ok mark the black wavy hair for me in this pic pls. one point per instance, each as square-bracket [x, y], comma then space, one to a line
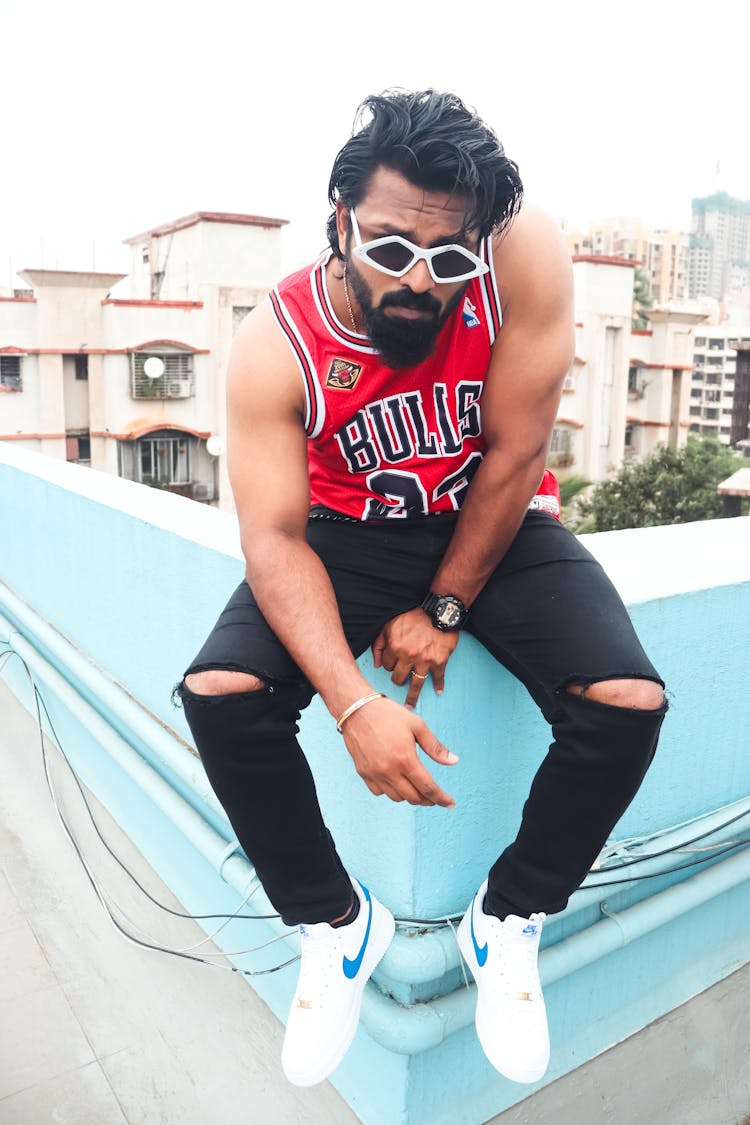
[435, 142]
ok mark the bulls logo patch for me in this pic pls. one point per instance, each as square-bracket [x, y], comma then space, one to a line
[343, 374]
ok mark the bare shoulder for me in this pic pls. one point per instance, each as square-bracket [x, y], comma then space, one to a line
[261, 362]
[532, 262]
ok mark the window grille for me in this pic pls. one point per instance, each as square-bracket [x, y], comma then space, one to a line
[177, 380]
[10, 372]
[163, 459]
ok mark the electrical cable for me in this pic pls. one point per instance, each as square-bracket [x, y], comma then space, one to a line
[98, 890]
[592, 881]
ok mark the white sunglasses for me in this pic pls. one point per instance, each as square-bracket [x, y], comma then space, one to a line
[395, 256]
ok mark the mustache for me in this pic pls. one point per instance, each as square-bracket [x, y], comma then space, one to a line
[422, 302]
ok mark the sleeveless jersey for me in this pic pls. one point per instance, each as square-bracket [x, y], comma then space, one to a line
[387, 443]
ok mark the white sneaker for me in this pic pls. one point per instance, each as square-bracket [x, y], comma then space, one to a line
[334, 969]
[511, 1018]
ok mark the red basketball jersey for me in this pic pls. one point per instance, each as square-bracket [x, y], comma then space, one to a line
[386, 443]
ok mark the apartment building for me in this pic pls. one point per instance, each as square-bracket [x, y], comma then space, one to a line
[712, 391]
[627, 391]
[719, 254]
[135, 386]
[661, 254]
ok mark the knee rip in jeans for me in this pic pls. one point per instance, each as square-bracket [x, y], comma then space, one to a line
[629, 693]
[222, 681]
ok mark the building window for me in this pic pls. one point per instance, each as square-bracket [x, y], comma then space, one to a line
[239, 312]
[175, 379]
[569, 382]
[82, 367]
[10, 372]
[163, 459]
[561, 448]
[78, 448]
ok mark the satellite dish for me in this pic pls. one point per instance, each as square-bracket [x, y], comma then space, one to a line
[215, 445]
[153, 368]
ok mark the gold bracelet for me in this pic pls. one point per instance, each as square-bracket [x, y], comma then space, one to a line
[356, 706]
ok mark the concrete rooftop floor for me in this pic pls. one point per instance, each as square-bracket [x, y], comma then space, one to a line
[95, 1031]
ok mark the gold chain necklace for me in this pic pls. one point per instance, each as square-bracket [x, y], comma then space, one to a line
[348, 303]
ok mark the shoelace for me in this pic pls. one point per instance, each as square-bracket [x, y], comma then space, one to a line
[460, 954]
[317, 957]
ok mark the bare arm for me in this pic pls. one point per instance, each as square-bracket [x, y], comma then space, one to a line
[267, 460]
[530, 358]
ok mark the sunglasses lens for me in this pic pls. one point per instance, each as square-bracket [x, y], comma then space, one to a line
[390, 256]
[452, 264]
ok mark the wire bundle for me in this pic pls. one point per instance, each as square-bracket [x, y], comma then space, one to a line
[592, 882]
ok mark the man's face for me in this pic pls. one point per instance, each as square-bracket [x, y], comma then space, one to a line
[403, 315]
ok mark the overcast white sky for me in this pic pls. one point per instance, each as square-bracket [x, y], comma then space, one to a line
[117, 118]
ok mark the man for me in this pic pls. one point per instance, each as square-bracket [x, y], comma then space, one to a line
[390, 411]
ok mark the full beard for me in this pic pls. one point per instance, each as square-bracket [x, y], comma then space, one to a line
[398, 341]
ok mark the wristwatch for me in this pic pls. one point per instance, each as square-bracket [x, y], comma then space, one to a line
[446, 611]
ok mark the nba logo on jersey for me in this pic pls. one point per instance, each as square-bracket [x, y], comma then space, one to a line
[469, 312]
[343, 374]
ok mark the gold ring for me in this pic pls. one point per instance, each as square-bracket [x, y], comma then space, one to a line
[417, 676]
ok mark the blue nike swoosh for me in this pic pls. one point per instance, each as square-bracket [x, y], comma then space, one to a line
[351, 968]
[481, 954]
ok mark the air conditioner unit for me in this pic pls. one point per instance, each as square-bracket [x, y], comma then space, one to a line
[179, 388]
[203, 491]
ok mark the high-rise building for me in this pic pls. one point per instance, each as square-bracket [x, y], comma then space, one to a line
[719, 254]
[712, 390]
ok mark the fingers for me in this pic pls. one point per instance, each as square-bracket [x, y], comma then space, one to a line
[417, 789]
[378, 647]
[429, 790]
[433, 748]
[417, 680]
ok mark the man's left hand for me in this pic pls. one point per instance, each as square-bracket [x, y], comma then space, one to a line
[411, 648]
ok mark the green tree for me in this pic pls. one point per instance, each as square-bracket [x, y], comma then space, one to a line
[642, 299]
[571, 487]
[669, 486]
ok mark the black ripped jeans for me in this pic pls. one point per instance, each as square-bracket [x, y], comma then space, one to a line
[549, 614]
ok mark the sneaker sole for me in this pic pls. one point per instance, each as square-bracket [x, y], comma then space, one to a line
[381, 935]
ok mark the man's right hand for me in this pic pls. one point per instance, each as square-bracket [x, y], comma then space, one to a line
[382, 739]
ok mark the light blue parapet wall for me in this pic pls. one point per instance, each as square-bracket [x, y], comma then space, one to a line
[108, 588]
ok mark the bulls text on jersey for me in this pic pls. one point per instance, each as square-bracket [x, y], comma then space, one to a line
[396, 429]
